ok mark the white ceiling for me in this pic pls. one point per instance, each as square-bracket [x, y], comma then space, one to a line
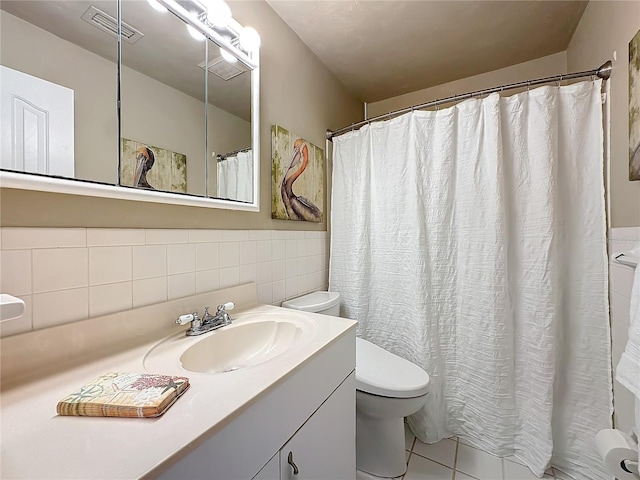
[380, 49]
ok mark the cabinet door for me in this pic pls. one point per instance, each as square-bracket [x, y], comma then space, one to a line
[271, 471]
[324, 447]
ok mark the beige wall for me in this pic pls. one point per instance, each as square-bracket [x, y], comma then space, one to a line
[605, 28]
[540, 67]
[297, 91]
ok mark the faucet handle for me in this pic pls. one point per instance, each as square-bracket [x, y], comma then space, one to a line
[226, 306]
[190, 317]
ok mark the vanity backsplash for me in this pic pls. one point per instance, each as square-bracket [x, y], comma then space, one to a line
[71, 274]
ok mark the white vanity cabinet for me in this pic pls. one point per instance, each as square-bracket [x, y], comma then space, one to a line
[311, 414]
[323, 447]
[271, 471]
[320, 450]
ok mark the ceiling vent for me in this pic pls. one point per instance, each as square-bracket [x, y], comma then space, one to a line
[108, 24]
[223, 69]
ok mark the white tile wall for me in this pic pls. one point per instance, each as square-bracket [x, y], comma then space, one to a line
[149, 261]
[110, 264]
[70, 274]
[620, 282]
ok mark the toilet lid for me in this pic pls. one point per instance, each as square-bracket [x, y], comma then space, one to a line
[380, 372]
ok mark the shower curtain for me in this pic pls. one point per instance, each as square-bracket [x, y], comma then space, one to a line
[471, 241]
[235, 177]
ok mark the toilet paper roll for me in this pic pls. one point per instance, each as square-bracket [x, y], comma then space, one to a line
[615, 446]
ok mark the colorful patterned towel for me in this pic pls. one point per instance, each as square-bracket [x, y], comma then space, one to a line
[124, 395]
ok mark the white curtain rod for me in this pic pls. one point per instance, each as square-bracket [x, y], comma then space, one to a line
[604, 72]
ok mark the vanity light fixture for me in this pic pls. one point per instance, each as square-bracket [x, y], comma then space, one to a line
[218, 13]
[195, 34]
[227, 56]
[212, 19]
[249, 39]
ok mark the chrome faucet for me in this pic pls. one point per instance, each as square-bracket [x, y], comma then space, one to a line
[208, 322]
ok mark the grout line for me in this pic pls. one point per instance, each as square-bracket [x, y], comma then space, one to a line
[455, 457]
[33, 280]
[413, 442]
[431, 459]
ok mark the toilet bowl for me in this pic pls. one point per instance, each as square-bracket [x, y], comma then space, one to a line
[388, 388]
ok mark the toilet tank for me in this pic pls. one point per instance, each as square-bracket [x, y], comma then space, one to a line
[327, 303]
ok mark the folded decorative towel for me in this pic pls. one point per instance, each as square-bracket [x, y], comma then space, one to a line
[124, 395]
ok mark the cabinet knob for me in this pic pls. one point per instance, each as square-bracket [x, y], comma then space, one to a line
[292, 463]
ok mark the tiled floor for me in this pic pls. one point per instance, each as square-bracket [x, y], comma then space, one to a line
[453, 460]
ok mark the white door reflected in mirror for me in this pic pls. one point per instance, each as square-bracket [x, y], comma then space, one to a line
[37, 125]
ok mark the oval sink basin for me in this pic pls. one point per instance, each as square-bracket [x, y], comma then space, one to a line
[234, 348]
[251, 340]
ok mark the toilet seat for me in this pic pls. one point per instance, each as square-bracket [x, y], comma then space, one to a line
[382, 373]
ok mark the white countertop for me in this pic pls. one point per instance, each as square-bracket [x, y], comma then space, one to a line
[37, 443]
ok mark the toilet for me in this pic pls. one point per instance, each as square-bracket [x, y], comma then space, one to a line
[388, 388]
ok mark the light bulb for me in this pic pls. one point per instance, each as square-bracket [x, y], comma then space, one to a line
[195, 34]
[218, 13]
[249, 39]
[228, 56]
[157, 7]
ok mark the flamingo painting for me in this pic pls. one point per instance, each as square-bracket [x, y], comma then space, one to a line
[296, 196]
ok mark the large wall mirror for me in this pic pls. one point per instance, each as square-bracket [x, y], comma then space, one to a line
[185, 129]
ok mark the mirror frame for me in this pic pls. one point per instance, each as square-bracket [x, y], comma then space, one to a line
[43, 183]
